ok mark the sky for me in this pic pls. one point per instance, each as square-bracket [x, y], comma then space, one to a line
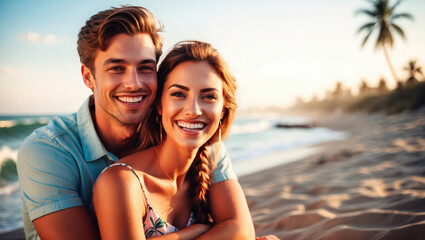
[277, 49]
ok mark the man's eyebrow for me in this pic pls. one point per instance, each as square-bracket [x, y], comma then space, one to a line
[119, 60]
[148, 61]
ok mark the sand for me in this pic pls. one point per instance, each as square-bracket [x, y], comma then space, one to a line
[369, 186]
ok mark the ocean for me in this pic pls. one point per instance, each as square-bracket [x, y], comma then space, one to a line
[254, 144]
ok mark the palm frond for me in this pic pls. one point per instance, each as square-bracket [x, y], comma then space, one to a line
[398, 30]
[368, 12]
[395, 6]
[402, 15]
[367, 26]
[367, 37]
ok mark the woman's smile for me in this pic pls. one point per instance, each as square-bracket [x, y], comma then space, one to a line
[191, 104]
[191, 126]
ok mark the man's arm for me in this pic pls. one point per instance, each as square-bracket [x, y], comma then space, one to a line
[70, 223]
[49, 183]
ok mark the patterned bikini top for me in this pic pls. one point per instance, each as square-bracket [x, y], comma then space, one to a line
[154, 225]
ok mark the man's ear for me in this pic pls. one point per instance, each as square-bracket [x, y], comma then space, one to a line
[87, 76]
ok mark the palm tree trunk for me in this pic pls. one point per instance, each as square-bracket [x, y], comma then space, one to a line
[389, 63]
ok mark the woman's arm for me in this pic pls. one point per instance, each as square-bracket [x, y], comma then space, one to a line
[232, 219]
[119, 204]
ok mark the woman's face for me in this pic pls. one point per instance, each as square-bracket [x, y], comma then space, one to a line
[191, 104]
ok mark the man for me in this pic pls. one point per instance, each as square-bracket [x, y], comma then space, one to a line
[58, 164]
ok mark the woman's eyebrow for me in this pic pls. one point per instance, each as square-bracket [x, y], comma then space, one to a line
[179, 86]
[187, 89]
[209, 89]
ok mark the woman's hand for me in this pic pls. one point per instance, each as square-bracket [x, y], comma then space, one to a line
[199, 229]
[191, 232]
[267, 237]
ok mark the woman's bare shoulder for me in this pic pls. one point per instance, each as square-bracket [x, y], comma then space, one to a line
[140, 160]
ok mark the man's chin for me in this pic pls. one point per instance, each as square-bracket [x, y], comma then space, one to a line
[129, 121]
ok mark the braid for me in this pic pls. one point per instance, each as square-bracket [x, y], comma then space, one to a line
[201, 176]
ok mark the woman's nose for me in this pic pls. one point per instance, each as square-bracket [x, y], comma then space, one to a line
[193, 108]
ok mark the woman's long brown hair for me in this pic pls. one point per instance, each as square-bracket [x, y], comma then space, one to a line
[150, 135]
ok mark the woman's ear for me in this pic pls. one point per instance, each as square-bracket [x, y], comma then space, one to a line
[87, 76]
[222, 113]
[159, 109]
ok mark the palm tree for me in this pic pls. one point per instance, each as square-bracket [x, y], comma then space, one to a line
[413, 69]
[382, 20]
[338, 92]
[382, 86]
[364, 89]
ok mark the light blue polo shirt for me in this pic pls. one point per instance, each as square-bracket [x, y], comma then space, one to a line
[59, 163]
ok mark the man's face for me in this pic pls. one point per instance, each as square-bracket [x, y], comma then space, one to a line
[124, 84]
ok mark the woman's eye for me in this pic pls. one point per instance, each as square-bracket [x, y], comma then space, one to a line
[210, 97]
[177, 94]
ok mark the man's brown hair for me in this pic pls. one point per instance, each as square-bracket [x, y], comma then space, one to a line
[101, 27]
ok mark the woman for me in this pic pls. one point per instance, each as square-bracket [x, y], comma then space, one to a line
[165, 188]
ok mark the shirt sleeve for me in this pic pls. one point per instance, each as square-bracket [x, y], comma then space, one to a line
[48, 178]
[223, 170]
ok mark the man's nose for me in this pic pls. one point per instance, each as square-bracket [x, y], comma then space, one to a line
[132, 80]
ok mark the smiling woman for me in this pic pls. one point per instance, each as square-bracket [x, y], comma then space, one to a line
[191, 104]
[167, 187]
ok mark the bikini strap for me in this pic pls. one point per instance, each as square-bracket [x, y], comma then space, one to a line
[142, 184]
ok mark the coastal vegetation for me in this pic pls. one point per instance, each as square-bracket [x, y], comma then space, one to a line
[408, 95]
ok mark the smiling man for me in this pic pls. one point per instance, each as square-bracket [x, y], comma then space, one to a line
[58, 164]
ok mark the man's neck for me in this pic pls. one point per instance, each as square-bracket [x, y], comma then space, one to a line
[116, 137]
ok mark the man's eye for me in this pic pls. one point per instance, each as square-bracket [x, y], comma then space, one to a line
[146, 69]
[116, 68]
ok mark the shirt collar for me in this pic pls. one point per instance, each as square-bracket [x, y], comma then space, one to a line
[92, 146]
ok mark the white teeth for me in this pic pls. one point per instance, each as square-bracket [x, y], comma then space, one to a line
[191, 125]
[130, 99]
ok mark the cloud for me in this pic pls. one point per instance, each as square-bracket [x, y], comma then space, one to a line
[9, 71]
[37, 38]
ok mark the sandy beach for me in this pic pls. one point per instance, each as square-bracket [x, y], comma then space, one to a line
[369, 186]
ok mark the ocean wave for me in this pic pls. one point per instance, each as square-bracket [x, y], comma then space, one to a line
[250, 127]
[245, 147]
[260, 123]
[7, 153]
[8, 171]
[14, 132]
[9, 189]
